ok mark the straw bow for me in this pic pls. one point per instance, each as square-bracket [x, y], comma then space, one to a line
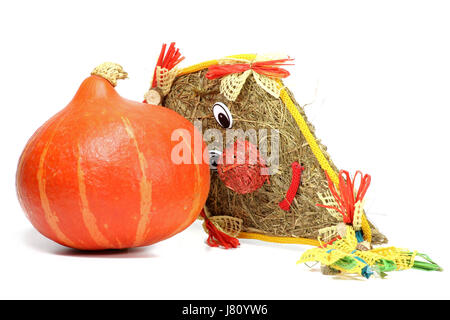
[234, 73]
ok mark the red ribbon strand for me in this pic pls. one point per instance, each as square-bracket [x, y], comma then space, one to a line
[216, 237]
[297, 170]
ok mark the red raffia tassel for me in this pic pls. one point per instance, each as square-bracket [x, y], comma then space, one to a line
[346, 198]
[167, 60]
[297, 170]
[216, 237]
[270, 68]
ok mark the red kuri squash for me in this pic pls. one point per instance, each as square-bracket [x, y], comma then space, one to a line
[98, 175]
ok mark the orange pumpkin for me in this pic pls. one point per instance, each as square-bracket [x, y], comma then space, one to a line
[98, 175]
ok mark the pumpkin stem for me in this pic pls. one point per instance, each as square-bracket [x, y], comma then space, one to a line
[110, 71]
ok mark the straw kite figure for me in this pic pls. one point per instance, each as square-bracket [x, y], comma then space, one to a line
[291, 194]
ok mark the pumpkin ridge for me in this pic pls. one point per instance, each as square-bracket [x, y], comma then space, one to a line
[145, 187]
[50, 217]
[88, 217]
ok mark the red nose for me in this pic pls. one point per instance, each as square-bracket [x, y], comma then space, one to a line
[242, 169]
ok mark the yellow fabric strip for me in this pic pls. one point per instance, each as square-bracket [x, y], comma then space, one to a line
[308, 136]
[197, 67]
[262, 237]
[292, 109]
[303, 126]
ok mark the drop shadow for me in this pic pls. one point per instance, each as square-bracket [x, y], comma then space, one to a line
[38, 242]
[315, 268]
[353, 277]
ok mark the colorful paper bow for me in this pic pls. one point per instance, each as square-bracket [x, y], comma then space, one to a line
[344, 255]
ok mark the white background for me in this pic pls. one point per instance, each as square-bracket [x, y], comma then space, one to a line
[378, 76]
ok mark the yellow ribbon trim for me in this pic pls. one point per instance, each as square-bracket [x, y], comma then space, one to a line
[198, 67]
[365, 227]
[347, 247]
[303, 126]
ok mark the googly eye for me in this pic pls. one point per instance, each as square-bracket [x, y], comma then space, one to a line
[222, 115]
[214, 156]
